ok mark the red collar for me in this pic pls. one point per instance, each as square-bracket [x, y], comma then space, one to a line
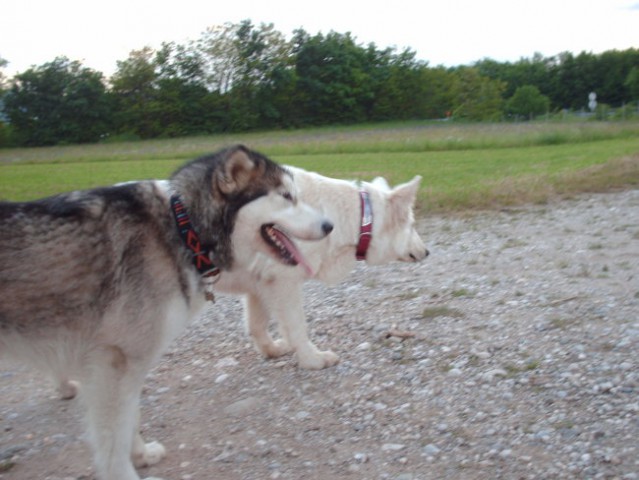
[366, 225]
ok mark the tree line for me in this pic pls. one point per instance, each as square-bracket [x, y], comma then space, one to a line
[240, 77]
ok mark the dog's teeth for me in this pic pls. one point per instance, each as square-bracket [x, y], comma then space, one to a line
[276, 242]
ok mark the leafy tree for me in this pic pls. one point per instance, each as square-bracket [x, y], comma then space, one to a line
[406, 88]
[441, 94]
[179, 109]
[276, 98]
[173, 60]
[527, 102]
[5, 134]
[476, 97]
[182, 104]
[234, 54]
[219, 57]
[58, 102]
[262, 54]
[632, 83]
[243, 63]
[574, 77]
[134, 88]
[535, 71]
[396, 81]
[3, 79]
[334, 79]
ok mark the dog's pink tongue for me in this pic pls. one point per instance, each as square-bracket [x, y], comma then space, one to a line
[302, 262]
[297, 255]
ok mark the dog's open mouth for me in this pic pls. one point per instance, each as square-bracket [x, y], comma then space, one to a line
[283, 247]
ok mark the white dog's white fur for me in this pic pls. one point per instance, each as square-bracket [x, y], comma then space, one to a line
[274, 291]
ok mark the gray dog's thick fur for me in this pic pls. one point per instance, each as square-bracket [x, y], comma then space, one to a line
[95, 284]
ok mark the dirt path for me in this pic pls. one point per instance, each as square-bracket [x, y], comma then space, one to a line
[516, 358]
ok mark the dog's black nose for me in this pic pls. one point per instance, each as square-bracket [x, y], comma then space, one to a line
[415, 259]
[327, 227]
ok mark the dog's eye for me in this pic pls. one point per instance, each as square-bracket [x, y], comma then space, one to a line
[288, 196]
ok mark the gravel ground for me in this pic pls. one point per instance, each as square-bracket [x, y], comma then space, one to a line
[511, 352]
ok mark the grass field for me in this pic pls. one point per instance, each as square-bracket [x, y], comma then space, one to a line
[464, 166]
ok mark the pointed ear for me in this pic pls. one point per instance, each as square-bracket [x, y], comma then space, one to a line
[381, 183]
[239, 170]
[407, 192]
[403, 197]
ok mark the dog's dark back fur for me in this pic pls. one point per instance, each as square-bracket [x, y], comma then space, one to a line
[66, 251]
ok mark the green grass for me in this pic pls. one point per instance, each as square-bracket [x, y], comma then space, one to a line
[29, 181]
[463, 166]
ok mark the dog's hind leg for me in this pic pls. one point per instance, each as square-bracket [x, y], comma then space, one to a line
[286, 305]
[111, 390]
[257, 318]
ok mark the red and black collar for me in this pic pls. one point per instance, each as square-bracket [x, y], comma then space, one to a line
[200, 255]
[366, 225]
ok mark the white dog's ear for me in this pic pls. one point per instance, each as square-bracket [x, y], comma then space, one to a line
[403, 197]
[407, 191]
[381, 183]
[239, 171]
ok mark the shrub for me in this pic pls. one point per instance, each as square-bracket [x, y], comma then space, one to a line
[528, 102]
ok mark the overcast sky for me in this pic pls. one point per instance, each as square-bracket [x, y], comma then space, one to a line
[446, 32]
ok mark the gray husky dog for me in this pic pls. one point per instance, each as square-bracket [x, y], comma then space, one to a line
[95, 284]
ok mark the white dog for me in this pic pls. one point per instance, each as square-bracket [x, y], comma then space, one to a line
[372, 222]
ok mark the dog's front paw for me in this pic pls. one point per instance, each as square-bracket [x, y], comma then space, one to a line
[276, 349]
[317, 360]
[152, 454]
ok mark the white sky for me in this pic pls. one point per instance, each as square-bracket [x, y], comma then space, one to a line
[447, 32]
